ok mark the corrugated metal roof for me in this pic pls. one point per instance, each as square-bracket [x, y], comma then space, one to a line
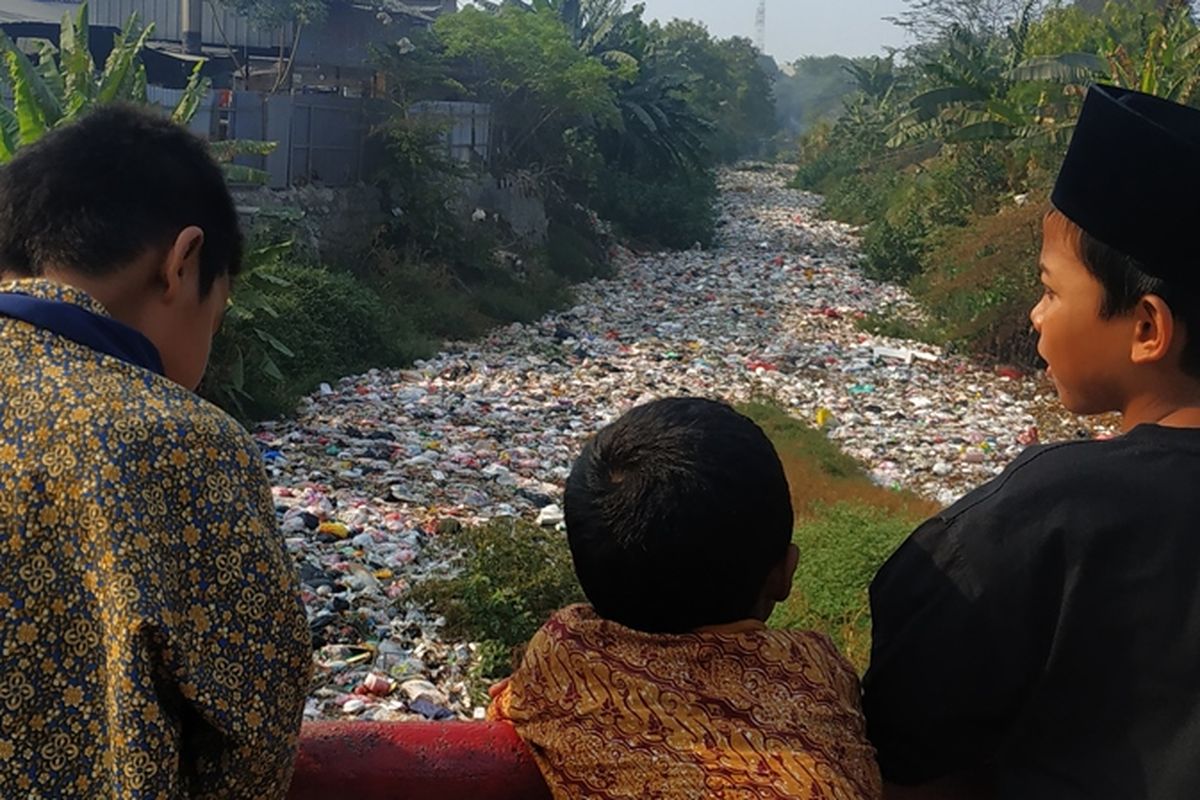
[34, 11]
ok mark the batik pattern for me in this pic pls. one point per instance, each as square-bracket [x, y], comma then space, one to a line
[611, 713]
[153, 641]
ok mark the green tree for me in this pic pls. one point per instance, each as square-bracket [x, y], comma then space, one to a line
[65, 83]
[724, 82]
[539, 83]
[931, 21]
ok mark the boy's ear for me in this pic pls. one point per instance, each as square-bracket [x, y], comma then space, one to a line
[181, 266]
[1156, 333]
[782, 576]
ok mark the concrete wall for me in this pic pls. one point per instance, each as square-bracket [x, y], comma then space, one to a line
[333, 225]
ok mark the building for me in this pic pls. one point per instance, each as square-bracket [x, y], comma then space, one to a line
[308, 89]
[240, 53]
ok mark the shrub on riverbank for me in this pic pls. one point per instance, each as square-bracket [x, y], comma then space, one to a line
[676, 212]
[509, 577]
[294, 325]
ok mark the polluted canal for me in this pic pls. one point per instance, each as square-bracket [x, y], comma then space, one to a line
[372, 467]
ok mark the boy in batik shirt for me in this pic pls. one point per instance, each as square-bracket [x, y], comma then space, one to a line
[154, 645]
[670, 685]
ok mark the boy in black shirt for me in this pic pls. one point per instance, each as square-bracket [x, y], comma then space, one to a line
[1041, 637]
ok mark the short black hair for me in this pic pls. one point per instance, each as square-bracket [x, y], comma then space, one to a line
[99, 192]
[1125, 282]
[675, 514]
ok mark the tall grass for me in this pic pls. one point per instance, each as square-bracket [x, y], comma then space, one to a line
[846, 527]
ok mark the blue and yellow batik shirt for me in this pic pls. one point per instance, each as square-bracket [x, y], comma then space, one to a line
[153, 641]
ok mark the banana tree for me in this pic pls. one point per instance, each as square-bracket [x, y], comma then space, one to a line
[1167, 65]
[64, 83]
[974, 101]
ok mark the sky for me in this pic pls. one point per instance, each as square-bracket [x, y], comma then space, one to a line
[795, 27]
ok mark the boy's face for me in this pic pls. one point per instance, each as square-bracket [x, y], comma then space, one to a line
[1088, 356]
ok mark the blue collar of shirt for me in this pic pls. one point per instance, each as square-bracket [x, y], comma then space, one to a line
[85, 327]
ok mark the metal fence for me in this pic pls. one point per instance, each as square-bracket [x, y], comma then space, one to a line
[220, 25]
[321, 138]
[469, 128]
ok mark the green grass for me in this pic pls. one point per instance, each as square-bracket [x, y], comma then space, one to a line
[508, 577]
[841, 548]
[846, 527]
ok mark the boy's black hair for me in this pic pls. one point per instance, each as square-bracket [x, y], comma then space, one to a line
[1125, 282]
[98, 193]
[675, 515]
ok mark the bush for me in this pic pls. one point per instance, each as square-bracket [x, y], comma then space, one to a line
[333, 324]
[510, 577]
[842, 546]
[443, 303]
[573, 255]
[983, 281]
[676, 211]
[895, 252]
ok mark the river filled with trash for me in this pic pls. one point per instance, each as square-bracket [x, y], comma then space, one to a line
[371, 468]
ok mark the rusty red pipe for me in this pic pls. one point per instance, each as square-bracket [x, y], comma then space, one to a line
[413, 761]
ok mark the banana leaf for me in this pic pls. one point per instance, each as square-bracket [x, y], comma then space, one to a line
[1190, 48]
[10, 131]
[236, 173]
[75, 63]
[267, 255]
[31, 121]
[47, 70]
[271, 368]
[193, 95]
[928, 104]
[41, 107]
[230, 149]
[119, 69]
[1063, 68]
[274, 342]
[237, 370]
[136, 89]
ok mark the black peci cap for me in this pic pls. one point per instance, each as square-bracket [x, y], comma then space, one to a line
[1131, 179]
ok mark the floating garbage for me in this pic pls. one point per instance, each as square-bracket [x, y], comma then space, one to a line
[374, 469]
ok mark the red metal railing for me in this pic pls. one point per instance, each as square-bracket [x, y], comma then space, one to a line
[417, 760]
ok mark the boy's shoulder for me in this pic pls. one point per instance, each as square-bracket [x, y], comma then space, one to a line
[1088, 473]
[110, 410]
[165, 414]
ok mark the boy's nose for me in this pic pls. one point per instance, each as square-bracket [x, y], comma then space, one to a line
[1035, 316]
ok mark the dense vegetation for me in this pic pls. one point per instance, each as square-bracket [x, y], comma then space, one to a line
[946, 155]
[598, 112]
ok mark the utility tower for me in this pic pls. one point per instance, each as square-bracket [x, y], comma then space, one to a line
[760, 26]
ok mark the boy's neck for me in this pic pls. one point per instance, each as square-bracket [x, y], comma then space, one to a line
[1179, 411]
[121, 292]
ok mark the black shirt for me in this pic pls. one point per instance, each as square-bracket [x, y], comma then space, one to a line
[1046, 628]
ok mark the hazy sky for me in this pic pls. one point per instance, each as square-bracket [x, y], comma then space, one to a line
[795, 27]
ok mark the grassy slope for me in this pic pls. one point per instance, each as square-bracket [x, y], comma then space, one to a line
[846, 527]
